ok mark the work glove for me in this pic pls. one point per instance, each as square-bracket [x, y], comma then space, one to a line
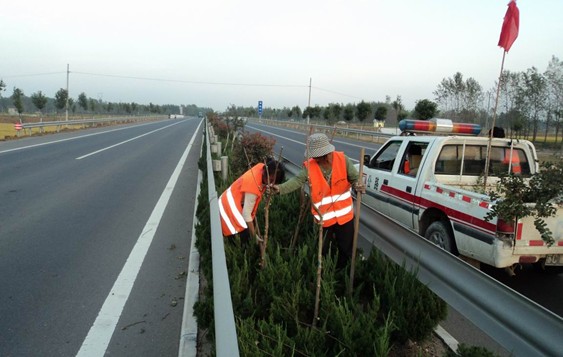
[359, 187]
[273, 189]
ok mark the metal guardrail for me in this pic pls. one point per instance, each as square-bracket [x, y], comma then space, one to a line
[517, 323]
[375, 135]
[59, 123]
[225, 331]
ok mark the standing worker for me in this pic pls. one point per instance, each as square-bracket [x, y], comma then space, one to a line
[331, 175]
[239, 203]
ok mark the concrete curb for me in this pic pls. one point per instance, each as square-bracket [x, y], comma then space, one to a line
[448, 339]
[188, 334]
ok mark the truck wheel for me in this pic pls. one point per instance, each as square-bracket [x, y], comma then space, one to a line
[439, 234]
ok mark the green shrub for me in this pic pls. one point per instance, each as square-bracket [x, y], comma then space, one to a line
[471, 351]
[417, 310]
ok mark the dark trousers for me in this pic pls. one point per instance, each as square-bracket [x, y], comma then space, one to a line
[343, 237]
[243, 236]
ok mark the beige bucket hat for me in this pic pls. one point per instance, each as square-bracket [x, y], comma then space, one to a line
[319, 145]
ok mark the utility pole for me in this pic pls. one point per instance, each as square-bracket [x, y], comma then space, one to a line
[309, 101]
[67, 93]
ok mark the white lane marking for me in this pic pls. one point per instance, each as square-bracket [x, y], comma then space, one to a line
[448, 339]
[126, 141]
[73, 138]
[99, 336]
[299, 142]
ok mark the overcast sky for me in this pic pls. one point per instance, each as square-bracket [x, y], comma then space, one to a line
[214, 53]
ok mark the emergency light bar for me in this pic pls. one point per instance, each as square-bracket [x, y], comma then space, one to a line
[439, 126]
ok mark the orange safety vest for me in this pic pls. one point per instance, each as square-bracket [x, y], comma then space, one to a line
[333, 201]
[516, 168]
[231, 201]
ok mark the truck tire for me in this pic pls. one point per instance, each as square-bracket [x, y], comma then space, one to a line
[439, 234]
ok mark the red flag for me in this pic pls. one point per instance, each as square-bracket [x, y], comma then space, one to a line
[510, 26]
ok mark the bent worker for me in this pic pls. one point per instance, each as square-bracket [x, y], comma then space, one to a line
[239, 203]
[332, 175]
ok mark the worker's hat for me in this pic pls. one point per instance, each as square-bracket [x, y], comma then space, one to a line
[319, 145]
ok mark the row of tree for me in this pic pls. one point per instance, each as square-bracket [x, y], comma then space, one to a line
[527, 102]
[39, 102]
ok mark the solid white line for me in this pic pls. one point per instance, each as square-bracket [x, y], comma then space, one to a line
[73, 138]
[99, 336]
[126, 141]
[188, 333]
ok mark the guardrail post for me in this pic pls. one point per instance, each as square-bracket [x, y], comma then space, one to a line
[224, 167]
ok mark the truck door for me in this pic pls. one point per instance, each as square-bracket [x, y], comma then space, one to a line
[402, 186]
[378, 174]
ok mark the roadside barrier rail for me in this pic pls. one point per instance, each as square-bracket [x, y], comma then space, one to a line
[60, 123]
[225, 330]
[374, 135]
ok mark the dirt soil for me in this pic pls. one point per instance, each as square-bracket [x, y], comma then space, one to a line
[432, 347]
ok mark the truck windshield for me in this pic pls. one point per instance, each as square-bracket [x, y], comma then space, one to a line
[471, 159]
[385, 159]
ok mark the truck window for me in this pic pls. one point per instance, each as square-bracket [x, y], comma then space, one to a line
[412, 158]
[385, 159]
[474, 158]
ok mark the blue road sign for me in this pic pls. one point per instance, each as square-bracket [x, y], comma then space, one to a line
[260, 108]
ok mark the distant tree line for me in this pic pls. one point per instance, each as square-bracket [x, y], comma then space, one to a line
[38, 102]
[529, 103]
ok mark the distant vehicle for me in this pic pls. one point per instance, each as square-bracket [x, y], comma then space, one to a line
[200, 115]
[432, 184]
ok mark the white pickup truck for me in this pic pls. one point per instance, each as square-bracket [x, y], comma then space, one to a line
[431, 184]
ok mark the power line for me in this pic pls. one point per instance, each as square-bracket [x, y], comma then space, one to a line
[187, 81]
[338, 93]
[193, 82]
[32, 75]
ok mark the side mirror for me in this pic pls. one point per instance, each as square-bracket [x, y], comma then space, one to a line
[367, 159]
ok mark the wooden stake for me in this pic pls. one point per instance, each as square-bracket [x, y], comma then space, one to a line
[264, 243]
[302, 212]
[319, 274]
[356, 223]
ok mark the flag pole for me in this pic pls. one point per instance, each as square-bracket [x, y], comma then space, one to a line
[491, 129]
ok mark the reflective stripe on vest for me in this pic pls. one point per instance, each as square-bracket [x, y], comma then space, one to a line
[333, 201]
[231, 201]
[239, 224]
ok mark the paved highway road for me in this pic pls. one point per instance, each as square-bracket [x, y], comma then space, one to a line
[94, 238]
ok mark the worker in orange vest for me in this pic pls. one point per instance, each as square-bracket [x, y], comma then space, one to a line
[514, 162]
[239, 203]
[331, 175]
